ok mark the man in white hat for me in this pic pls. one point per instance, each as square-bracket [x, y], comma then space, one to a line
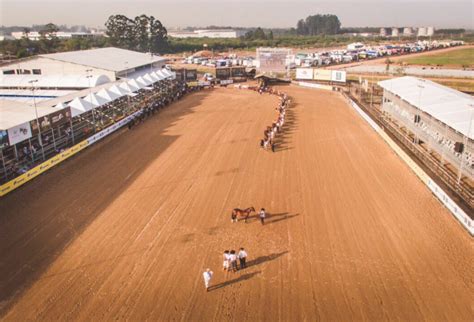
[207, 278]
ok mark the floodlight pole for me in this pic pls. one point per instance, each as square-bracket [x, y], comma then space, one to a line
[89, 76]
[36, 114]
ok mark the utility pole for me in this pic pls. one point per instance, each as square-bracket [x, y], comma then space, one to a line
[32, 82]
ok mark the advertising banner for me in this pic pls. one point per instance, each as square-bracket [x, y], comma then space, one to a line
[36, 171]
[238, 72]
[51, 120]
[322, 74]
[191, 75]
[19, 133]
[304, 73]
[338, 76]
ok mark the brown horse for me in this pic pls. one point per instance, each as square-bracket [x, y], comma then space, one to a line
[236, 213]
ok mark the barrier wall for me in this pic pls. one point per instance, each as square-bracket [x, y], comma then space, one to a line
[39, 169]
[450, 204]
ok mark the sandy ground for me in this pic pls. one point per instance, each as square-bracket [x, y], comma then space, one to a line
[125, 229]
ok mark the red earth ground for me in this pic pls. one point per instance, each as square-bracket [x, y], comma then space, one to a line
[125, 229]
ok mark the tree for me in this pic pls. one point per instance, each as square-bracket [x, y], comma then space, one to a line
[49, 31]
[121, 31]
[270, 35]
[319, 25]
[143, 33]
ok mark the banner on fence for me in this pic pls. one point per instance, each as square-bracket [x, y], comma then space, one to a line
[338, 76]
[304, 73]
[39, 169]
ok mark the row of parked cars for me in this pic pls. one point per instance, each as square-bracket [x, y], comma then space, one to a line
[356, 52]
[220, 62]
[353, 53]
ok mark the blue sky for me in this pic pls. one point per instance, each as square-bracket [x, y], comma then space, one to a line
[265, 13]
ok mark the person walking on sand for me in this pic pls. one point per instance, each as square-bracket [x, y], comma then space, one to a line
[207, 278]
[226, 260]
[243, 258]
[233, 261]
[262, 216]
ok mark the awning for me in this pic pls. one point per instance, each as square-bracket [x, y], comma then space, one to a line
[127, 88]
[96, 100]
[118, 90]
[79, 106]
[143, 81]
[108, 94]
[134, 83]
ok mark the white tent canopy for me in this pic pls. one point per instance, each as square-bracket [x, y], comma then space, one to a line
[96, 100]
[79, 106]
[144, 81]
[127, 88]
[118, 90]
[108, 94]
[60, 106]
[447, 105]
[157, 76]
[134, 83]
[161, 74]
[150, 79]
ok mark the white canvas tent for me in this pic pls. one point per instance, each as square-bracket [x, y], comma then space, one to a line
[145, 82]
[118, 90]
[96, 100]
[157, 76]
[108, 94]
[60, 106]
[161, 74]
[134, 83]
[79, 106]
[150, 79]
[128, 88]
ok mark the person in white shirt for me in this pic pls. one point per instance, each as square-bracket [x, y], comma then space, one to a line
[226, 260]
[233, 261]
[262, 215]
[242, 257]
[207, 278]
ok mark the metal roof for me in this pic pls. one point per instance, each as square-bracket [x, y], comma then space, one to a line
[13, 113]
[51, 81]
[110, 58]
[453, 108]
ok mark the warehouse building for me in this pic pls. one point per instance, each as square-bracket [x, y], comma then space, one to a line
[111, 62]
[437, 117]
[207, 33]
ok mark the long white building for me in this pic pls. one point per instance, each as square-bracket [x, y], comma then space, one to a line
[207, 33]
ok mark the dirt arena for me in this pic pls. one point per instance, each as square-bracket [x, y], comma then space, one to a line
[125, 229]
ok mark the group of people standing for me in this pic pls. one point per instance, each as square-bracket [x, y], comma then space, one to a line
[270, 132]
[230, 258]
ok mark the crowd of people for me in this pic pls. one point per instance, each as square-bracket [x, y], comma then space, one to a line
[172, 94]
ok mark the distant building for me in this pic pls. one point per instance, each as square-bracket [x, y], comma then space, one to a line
[395, 32]
[383, 32]
[205, 33]
[430, 31]
[421, 32]
[34, 35]
[407, 31]
[112, 62]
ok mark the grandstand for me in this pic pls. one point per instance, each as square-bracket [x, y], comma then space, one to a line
[436, 117]
[30, 135]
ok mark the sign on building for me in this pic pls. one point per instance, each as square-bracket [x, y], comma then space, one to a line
[304, 73]
[19, 133]
[338, 76]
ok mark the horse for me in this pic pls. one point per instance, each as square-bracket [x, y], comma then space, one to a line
[236, 212]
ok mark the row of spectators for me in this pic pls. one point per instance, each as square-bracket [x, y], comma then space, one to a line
[17, 159]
